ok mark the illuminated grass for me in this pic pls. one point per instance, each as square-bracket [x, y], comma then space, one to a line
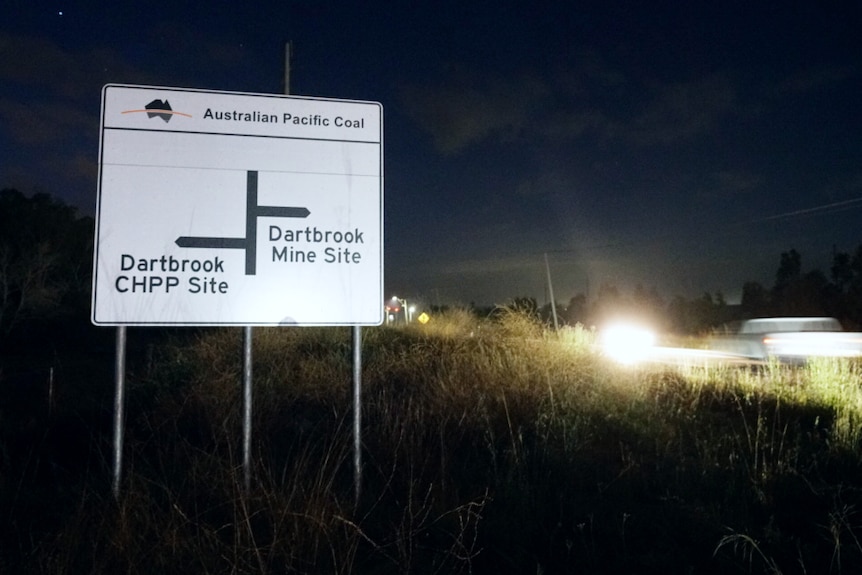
[489, 446]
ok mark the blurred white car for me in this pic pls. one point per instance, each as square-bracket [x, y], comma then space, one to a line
[791, 339]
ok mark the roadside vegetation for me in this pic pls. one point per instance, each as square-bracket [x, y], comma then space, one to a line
[489, 446]
[491, 442]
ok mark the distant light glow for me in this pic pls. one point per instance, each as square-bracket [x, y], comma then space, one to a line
[626, 343]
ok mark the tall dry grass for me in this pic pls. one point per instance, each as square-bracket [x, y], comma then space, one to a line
[488, 446]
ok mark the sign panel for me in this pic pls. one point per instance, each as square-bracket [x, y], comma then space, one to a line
[224, 208]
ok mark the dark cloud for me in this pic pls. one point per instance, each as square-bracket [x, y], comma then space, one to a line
[40, 123]
[465, 109]
[34, 63]
[460, 112]
[734, 184]
[680, 111]
[819, 77]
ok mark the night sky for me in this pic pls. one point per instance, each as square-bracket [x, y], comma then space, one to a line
[682, 146]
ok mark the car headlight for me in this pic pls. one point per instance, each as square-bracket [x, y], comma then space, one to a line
[626, 343]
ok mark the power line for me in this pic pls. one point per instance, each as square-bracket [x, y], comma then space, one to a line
[652, 239]
[825, 209]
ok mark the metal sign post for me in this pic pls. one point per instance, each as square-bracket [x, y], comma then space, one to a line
[357, 412]
[246, 405]
[119, 407]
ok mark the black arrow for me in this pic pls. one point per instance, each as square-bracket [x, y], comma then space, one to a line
[196, 242]
[282, 212]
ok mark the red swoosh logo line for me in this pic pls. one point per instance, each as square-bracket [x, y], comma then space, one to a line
[172, 112]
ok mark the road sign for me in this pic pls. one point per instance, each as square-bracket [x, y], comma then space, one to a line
[225, 208]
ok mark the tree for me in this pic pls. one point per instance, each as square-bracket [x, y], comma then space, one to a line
[853, 294]
[698, 315]
[576, 311]
[789, 270]
[806, 296]
[841, 270]
[45, 258]
[755, 300]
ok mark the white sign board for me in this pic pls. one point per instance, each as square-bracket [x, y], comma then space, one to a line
[222, 208]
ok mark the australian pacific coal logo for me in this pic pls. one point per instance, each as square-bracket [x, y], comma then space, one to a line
[158, 109]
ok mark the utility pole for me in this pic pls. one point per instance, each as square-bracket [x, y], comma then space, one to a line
[551, 293]
[247, 337]
[288, 53]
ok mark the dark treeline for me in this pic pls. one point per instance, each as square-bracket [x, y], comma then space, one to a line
[46, 252]
[795, 292]
[46, 260]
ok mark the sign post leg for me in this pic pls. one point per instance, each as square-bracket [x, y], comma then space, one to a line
[119, 407]
[357, 411]
[246, 406]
